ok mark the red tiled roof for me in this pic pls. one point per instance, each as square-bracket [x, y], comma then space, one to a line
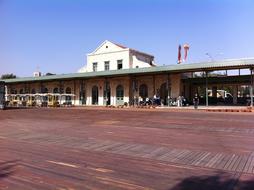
[121, 46]
[124, 47]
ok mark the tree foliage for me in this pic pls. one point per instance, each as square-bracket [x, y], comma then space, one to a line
[48, 74]
[8, 76]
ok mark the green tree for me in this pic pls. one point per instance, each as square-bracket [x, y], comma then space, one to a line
[8, 76]
[48, 74]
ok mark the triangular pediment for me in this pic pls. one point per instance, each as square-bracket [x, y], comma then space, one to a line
[107, 47]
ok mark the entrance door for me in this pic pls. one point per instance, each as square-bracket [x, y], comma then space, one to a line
[107, 96]
[119, 95]
[82, 93]
[95, 95]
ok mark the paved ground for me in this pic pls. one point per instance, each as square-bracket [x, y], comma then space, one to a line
[80, 148]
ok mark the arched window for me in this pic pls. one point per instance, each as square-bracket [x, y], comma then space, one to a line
[95, 95]
[13, 91]
[119, 91]
[68, 98]
[68, 90]
[26, 90]
[143, 91]
[45, 90]
[33, 91]
[56, 90]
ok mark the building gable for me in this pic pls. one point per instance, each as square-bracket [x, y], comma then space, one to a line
[107, 47]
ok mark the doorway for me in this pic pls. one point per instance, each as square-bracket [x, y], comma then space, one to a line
[107, 96]
[95, 95]
[119, 95]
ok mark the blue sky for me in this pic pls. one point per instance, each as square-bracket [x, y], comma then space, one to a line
[56, 35]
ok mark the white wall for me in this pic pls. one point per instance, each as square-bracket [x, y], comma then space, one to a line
[111, 57]
[175, 85]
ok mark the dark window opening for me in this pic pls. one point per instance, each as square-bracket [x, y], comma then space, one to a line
[106, 66]
[119, 64]
[95, 65]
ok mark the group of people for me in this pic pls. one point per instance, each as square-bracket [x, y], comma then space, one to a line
[182, 101]
[147, 101]
[156, 100]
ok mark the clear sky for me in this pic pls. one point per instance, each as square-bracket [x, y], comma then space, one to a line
[56, 35]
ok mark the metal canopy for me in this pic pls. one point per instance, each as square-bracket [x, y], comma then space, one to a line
[177, 68]
[243, 79]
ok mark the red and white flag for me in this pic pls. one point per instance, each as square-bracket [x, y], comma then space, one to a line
[186, 49]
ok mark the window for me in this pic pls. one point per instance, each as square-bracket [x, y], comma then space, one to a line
[56, 90]
[68, 98]
[95, 66]
[106, 65]
[13, 91]
[46, 90]
[68, 90]
[119, 64]
[119, 91]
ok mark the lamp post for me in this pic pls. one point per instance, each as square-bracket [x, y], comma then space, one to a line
[210, 57]
[206, 87]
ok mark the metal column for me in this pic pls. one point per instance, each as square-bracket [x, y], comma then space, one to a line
[206, 87]
[75, 97]
[168, 88]
[80, 92]
[251, 87]
[105, 92]
[133, 89]
[154, 85]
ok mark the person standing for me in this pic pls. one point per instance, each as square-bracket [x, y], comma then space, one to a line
[196, 101]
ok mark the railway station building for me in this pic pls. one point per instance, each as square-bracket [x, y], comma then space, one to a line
[117, 75]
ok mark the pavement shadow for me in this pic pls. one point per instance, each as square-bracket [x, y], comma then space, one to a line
[7, 168]
[16, 108]
[217, 182]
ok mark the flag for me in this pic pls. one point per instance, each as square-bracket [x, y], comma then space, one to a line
[179, 54]
[186, 49]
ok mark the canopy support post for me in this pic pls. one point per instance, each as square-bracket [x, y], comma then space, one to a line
[168, 81]
[206, 87]
[251, 87]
